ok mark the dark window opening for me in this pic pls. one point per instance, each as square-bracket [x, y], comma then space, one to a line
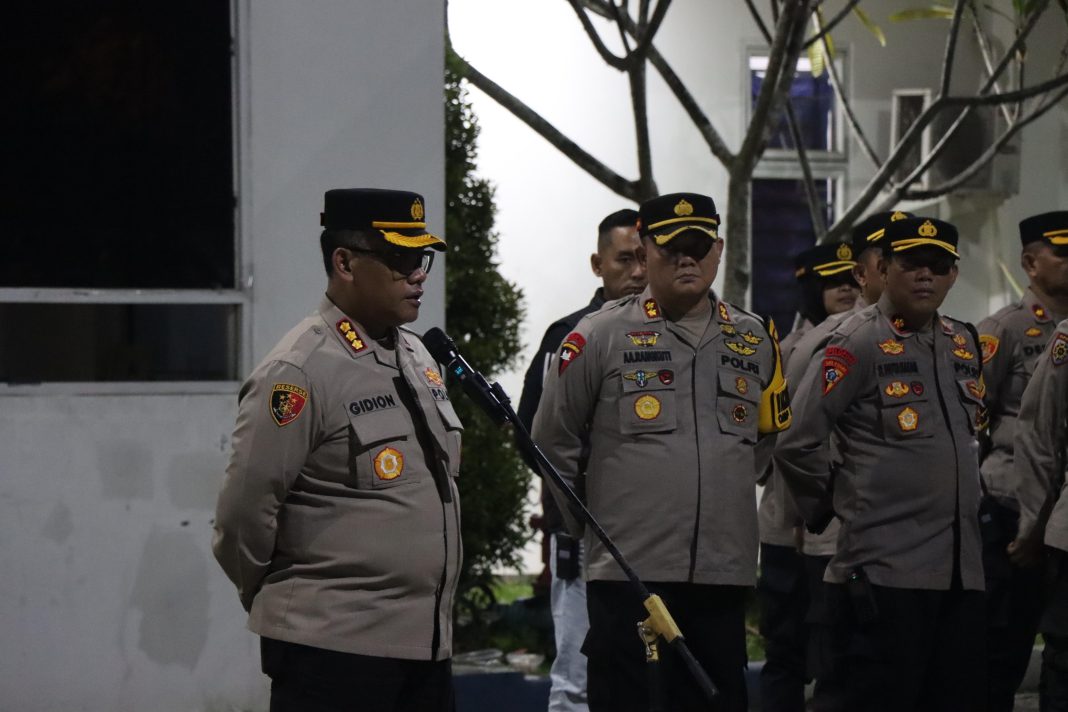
[117, 169]
[782, 229]
[118, 342]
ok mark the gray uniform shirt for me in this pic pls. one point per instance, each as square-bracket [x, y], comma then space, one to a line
[672, 428]
[1012, 339]
[903, 407]
[339, 520]
[1040, 445]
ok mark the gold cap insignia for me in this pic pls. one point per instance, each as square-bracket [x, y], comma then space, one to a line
[928, 229]
[417, 211]
[682, 208]
[898, 215]
[844, 253]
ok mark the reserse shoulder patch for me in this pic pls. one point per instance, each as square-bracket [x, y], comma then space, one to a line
[286, 403]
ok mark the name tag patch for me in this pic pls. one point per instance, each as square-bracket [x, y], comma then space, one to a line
[372, 403]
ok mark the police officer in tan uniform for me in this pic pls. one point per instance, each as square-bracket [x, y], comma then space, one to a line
[1012, 340]
[900, 388]
[338, 520]
[671, 391]
[1041, 455]
[817, 549]
[825, 275]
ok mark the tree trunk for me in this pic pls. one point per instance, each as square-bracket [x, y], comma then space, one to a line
[736, 264]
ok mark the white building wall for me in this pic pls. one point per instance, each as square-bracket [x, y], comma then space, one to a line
[110, 598]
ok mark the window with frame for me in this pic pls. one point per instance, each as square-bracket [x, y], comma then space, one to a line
[781, 218]
[118, 208]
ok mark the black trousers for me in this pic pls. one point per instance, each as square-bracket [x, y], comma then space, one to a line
[922, 651]
[783, 596]
[1014, 606]
[1053, 687]
[827, 694]
[712, 620]
[307, 679]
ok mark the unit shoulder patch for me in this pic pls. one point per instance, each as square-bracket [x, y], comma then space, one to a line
[988, 345]
[571, 349]
[287, 402]
[1058, 353]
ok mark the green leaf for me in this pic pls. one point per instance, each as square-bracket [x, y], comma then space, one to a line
[939, 12]
[873, 28]
[816, 57]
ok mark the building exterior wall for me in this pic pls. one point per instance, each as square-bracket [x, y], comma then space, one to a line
[110, 598]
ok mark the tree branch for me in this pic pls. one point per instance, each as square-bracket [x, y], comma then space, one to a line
[610, 59]
[951, 48]
[636, 75]
[758, 20]
[847, 104]
[700, 120]
[832, 24]
[988, 155]
[1007, 97]
[595, 168]
[985, 52]
[782, 64]
[815, 205]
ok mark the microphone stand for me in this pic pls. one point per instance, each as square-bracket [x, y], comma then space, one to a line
[659, 624]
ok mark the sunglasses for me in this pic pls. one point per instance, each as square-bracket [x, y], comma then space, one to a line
[693, 246]
[938, 264]
[403, 262]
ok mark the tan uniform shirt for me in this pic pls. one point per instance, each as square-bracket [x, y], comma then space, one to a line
[672, 428]
[903, 408]
[1012, 340]
[1041, 442]
[810, 347]
[338, 519]
[777, 516]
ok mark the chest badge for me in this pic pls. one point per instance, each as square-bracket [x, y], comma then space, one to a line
[389, 464]
[750, 338]
[740, 348]
[287, 402]
[647, 407]
[640, 377]
[1033, 331]
[908, 419]
[433, 378]
[728, 329]
[741, 385]
[892, 347]
[896, 389]
[643, 338]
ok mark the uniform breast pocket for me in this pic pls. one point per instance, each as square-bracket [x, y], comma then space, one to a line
[382, 448]
[647, 403]
[971, 399]
[905, 410]
[737, 404]
[453, 432]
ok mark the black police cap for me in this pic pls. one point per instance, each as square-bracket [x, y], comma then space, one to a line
[910, 233]
[869, 231]
[398, 214]
[824, 261]
[666, 216]
[1051, 227]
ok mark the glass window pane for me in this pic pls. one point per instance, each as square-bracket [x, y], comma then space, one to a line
[117, 169]
[782, 229]
[813, 101]
[118, 342]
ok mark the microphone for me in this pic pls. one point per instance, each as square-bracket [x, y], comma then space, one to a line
[444, 351]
